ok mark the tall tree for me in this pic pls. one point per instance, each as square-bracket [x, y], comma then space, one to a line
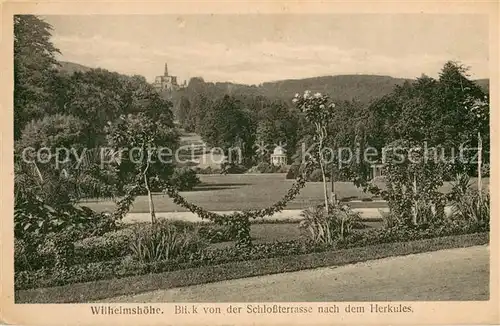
[146, 145]
[34, 69]
[318, 111]
[277, 124]
[227, 125]
[52, 162]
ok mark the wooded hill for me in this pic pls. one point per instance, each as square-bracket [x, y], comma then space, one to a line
[362, 88]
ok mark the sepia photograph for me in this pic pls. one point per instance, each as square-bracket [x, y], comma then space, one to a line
[268, 159]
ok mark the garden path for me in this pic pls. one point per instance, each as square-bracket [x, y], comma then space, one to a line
[290, 214]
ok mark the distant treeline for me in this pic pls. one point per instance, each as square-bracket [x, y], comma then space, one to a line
[372, 110]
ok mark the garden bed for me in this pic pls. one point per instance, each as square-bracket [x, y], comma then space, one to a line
[96, 290]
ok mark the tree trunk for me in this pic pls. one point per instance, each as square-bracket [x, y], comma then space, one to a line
[333, 195]
[479, 165]
[323, 174]
[150, 199]
[325, 187]
[415, 202]
[150, 196]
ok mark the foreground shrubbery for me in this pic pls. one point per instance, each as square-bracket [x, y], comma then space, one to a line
[163, 241]
[194, 256]
[56, 253]
[469, 204]
[45, 235]
[326, 228]
[33, 218]
[142, 241]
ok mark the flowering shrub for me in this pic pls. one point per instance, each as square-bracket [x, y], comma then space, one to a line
[317, 107]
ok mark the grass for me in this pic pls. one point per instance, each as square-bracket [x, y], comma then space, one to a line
[247, 191]
[236, 192]
[93, 291]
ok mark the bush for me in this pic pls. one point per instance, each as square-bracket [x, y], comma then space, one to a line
[389, 220]
[45, 235]
[22, 259]
[293, 171]
[42, 253]
[328, 228]
[216, 233]
[32, 254]
[229, 168]
[469, 205]
[282, 169]
[184, 179]
[107, 247]
[412, 185]
[128, 266]
[473, 207]
[163, 241]
[265, 167]
[32, 217]
[207, 170]
[379, 181]
[315, 176]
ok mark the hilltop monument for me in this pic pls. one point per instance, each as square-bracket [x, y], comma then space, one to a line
[166, 82]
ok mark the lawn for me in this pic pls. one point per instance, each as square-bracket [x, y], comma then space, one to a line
[238, 192]
[246, 191]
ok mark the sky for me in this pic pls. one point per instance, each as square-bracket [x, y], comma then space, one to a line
[253, 48]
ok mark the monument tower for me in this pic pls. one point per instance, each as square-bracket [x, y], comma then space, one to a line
[166, 82]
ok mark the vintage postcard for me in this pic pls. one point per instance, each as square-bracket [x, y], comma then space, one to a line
[249, 163]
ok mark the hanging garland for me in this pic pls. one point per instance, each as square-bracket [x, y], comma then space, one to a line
[239, 222]
[125, 202]
[299, 183]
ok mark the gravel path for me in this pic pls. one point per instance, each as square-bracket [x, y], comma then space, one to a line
[455, 274]
[292, 214]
